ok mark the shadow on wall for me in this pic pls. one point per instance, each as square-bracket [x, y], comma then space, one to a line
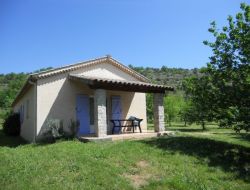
[229, 157]
[63, 107]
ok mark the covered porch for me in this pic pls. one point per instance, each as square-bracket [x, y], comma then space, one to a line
[101, 88]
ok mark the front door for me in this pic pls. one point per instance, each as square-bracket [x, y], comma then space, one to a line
[116, 109]
[82, 114]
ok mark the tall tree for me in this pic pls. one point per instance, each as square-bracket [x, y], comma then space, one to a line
[227, 75]
[199, 92]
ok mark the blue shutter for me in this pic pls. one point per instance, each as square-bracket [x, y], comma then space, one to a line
[82, 114]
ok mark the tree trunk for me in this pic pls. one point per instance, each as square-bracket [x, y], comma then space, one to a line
[203, 125]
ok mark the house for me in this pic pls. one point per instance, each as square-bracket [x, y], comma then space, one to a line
[91, 92]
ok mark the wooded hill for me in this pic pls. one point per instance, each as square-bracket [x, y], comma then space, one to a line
[167, 76]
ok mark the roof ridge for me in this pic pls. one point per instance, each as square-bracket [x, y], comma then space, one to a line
[129, 69]
[79, 65]
[69, 65]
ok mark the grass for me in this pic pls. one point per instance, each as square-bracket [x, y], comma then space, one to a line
[213, 132]
[214, 159]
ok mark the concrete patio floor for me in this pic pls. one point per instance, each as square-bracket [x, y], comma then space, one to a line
[125, 136]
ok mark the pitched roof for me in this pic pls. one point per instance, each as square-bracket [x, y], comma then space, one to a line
[86, 64]
[52, 72]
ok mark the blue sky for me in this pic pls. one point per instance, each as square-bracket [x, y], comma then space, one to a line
[150, 33]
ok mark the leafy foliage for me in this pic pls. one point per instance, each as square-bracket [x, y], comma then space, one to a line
[73, 129]
[53, 130]
[223, 90]
[198, 91]
[173, 105]
[149, 102]
[229, 68]
[11, 125]
[11, 84]
[167, 76]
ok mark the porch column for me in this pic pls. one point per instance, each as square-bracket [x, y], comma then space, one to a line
[100, 121]
[158, 108]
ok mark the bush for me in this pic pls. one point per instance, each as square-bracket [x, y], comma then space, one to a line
[12, 125]
[73, 129]
[53, 130]
[241, 126]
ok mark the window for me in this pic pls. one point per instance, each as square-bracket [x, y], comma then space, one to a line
[91, 110]
[27, 109]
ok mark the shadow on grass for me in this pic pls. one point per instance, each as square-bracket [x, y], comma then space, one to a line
[13, 142]
[239, 136]
[230, 157]
[9, 141]
[243, 136]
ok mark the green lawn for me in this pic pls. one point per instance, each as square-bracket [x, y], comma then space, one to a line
[214, 159]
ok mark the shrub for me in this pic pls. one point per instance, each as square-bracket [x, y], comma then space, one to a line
[53, 130]
[241, 126]
[73, 127]
[12, 125]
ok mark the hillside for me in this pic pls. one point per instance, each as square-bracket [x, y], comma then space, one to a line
[167, 76]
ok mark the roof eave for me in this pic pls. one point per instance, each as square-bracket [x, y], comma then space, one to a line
[119, 85]
[20, 94]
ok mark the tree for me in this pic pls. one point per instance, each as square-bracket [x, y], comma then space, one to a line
[149, 102]
[229, 69]
[10, 85]
[200, 95]
[173, 104]
[186, 112]
[14, 83]
[170, 108]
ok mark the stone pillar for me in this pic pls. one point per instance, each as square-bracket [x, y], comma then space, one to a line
[100, 116]
[158, 108]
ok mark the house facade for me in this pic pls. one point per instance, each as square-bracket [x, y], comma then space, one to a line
[92, 93]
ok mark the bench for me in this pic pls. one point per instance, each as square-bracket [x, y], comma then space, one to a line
[125, 123]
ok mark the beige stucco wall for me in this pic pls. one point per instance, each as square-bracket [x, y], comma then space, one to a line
[105, 70]
[28, 127]
[56, 97]
[57, 100]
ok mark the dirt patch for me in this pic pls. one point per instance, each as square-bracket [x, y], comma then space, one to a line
[140, 174]
[138, 180]
[142, 164]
